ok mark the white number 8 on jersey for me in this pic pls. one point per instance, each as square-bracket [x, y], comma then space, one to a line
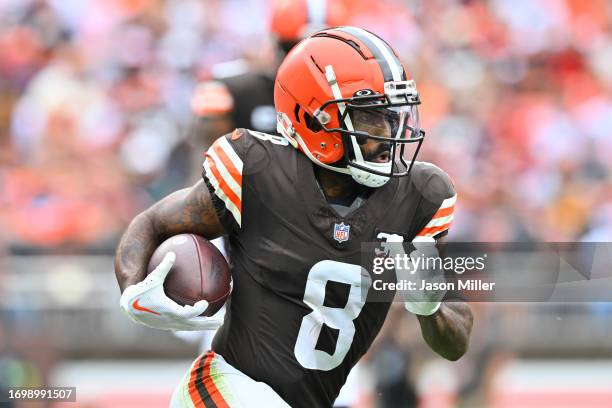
[340, 319]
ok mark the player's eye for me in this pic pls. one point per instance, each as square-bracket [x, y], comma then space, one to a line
[374, 121]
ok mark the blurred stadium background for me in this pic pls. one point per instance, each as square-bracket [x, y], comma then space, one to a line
[94, 103]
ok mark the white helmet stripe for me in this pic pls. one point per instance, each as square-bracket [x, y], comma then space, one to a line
[396, 68]
[389, 63]
[331, 79]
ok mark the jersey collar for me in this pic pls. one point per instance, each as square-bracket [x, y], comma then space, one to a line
[362, 221]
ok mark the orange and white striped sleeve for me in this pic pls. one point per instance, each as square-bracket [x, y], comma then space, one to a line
[222, 172]
[441, 220]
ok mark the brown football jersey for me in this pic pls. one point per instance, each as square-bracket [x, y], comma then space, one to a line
[298, 318]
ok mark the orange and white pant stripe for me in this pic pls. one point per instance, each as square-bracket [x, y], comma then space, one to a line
[211, 382]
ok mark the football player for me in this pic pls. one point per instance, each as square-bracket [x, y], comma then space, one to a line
[297, 208]
[241, 96]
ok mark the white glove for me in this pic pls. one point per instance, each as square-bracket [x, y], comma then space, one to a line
[147, 304]
[425, 302]
[420, 302]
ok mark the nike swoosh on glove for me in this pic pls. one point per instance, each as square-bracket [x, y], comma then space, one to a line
[146, 303]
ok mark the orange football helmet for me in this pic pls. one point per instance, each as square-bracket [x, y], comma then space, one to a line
[335, 77]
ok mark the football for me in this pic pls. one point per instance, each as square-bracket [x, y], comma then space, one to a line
[199, 272]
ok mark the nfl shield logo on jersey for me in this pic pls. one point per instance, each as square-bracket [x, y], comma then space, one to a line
[341, 232]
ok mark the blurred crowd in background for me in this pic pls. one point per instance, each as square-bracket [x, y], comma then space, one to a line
[516, 102]
[94, 100]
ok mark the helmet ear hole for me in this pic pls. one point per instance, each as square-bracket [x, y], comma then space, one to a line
[311, 123]
[296, 112]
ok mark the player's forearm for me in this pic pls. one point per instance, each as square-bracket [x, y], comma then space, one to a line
[169, 216]
[134, 251]
[448, 330]
[188, 211]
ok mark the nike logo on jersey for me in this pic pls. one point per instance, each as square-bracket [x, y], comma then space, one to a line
[137, 306]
